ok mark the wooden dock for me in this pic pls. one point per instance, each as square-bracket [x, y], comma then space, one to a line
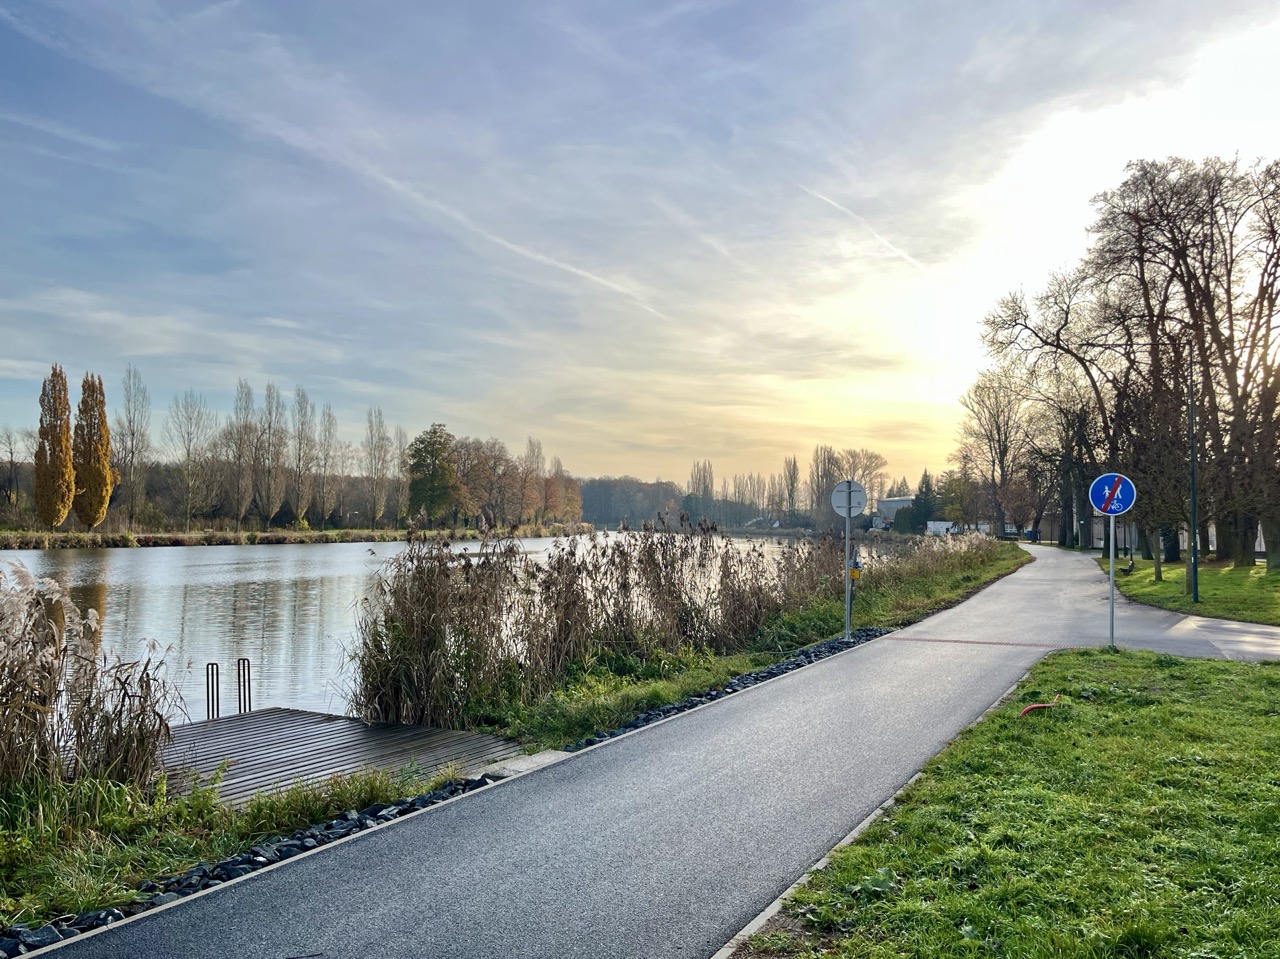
[270, 749]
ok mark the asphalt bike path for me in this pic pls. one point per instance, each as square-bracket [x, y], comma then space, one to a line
[665, 842]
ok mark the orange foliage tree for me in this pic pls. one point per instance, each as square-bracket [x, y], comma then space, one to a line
[55, 480]
[91, 454]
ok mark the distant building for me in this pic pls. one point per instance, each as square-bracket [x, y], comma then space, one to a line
[886, 506]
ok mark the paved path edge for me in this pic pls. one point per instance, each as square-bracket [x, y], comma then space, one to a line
[730, 948]
[440, 805]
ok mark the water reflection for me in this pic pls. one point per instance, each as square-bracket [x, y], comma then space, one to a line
[289, 609]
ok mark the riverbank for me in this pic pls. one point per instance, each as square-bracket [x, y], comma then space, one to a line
[60, 539]
[1137, 817]
[108, 841]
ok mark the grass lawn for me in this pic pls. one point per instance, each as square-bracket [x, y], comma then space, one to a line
[1249, 595]
[1138, 818]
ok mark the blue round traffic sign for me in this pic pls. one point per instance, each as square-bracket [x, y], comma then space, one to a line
[1112, 494]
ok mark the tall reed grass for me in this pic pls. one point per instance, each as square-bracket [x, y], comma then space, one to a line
[447, 640]
[66, 711]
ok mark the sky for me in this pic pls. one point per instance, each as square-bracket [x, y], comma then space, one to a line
[646, 233]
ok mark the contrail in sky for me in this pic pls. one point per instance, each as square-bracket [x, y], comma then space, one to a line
[903, 254]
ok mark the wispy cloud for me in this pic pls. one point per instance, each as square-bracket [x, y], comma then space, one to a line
[58, 130]
[646, 236]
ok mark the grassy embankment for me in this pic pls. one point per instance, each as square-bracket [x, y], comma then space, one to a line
[1138, 818]
[1248, 595]
[70, 846]
[71, 539]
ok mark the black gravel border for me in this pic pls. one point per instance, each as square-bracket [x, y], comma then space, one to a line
[806, 657]
[20, 939]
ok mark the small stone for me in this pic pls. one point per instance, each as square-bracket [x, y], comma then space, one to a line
[39, 938]
[100, 917]
[164, 898]
[9, 947]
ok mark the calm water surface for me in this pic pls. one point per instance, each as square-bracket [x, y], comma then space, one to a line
[289, 609]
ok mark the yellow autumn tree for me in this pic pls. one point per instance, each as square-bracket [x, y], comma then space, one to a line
[55, 481]
[91, 454]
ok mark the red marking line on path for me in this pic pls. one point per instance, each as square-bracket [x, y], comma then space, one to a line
[1115, 488]
[982, 642]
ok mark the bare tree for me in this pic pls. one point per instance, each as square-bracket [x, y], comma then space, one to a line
[401, 481]
[239, 443]
[531, 470]
[377, 453]
[868, 468]
[271, 454]
[995, 433]
[189, 431]
[826, 469]
[10, 443]
[302, 453]
[791, 487]
[131, 441]
[326, 464]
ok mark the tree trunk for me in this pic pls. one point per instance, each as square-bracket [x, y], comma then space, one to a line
[1065, 518]
[1246, 531]
[1171, 544]
[1151, 551]
[1204, 538]
[1271, 541]
[1226, 531]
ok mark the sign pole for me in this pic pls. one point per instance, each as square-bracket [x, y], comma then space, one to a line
[1112, 646]
[848, 580]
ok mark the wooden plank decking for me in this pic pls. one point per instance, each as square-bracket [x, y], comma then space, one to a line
[272, 748]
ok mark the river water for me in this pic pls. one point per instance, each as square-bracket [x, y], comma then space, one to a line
[290, 609]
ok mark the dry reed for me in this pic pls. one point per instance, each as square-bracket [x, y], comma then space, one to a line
[445, 639]
[66, 711]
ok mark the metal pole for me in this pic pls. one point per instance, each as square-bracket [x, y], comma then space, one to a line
[848, 580]
[1112, 645]
[1192, 538]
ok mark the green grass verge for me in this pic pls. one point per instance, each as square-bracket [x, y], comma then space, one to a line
[609, 693]
[1248, 595]
[1138, 818]
[53, 864]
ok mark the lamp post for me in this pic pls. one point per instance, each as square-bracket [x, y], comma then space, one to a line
[1192, 536]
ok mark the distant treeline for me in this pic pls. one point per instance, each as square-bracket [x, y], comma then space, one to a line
[271, 463]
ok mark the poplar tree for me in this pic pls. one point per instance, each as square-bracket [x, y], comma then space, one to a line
[55, 481]
[91, 454]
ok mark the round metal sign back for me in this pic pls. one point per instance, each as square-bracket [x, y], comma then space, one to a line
[849, 498]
